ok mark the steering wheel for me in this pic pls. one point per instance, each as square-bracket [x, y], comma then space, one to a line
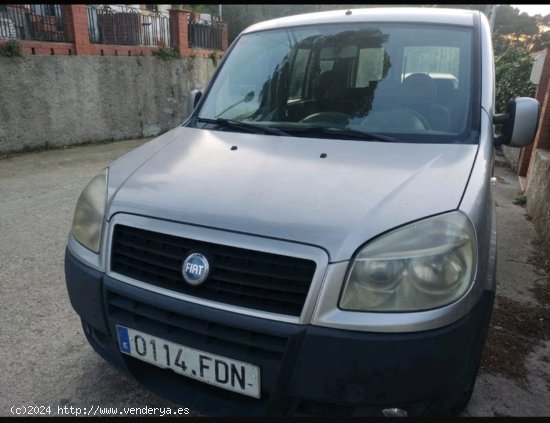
[398, 117]
[331, 118]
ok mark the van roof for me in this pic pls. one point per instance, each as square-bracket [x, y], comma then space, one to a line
[384, 14]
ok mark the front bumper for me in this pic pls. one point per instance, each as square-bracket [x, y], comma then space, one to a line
[305, 369]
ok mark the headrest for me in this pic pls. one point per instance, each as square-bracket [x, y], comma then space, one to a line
[444, 85]
[419, 89]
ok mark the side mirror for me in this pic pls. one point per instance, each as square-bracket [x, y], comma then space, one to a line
[194, 99]
[519, 123]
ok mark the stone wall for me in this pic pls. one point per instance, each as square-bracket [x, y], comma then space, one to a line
[538, 195]
[66, 100]
[512, 155]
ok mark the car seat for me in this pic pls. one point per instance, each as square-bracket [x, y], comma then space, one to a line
[419, 93]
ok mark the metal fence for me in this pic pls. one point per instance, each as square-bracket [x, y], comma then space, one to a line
[203, 35]
[42, 22]
[127, 26]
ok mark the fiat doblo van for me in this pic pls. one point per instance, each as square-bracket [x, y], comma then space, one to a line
[318, 237]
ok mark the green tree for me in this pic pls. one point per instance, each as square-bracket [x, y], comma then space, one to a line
[211, 9]
[508, 20]
[540, 39]
[513, 69]
[515, 36]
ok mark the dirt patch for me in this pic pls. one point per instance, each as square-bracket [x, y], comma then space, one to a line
[541, 290]
[516, 329]
[540, 260]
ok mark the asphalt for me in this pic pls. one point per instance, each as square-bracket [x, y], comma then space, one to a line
[46, 361]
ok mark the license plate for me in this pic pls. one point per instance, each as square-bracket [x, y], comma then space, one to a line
[213, 369]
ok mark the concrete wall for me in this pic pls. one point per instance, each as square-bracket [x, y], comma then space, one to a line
[64, 100]
[538, 195]
[512, 156]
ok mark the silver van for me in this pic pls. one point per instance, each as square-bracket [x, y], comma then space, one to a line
[318, 237]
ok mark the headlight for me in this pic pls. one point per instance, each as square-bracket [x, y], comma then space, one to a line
[90, 211]
[420, 266]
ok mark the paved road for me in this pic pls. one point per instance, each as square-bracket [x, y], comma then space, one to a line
[44, 358]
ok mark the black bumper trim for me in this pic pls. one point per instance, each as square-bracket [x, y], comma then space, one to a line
[322, 370]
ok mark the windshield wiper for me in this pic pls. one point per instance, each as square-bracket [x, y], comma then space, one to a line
[304, 130]
[345, 133]
[243, 126]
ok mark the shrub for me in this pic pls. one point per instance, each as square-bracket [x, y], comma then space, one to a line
[167, 53]
[11, 49]
[512, 71]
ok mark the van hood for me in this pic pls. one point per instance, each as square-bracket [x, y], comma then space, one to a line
[283, 187]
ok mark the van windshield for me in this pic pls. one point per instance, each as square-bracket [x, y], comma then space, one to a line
[405, 82]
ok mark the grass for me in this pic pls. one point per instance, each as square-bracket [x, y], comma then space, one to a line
[520, 200]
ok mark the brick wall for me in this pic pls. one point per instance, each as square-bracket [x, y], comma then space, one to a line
[542, 140]
[179, 34]
[75, 25]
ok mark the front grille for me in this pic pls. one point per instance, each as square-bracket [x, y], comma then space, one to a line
[246, 278]
[191, 331]
[268, 346]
